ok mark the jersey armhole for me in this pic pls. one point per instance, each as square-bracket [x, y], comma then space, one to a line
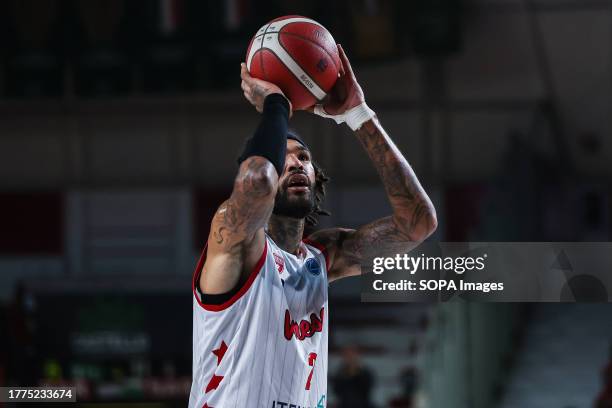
[217, 299]
[217, 303]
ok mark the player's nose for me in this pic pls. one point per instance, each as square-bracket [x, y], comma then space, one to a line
[293, 162]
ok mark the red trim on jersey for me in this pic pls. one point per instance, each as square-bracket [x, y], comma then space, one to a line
[321, 248]
[237, 295]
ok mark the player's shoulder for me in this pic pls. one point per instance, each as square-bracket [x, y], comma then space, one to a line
[330, 237]
[329, 241]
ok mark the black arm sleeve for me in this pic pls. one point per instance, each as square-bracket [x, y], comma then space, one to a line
[270, 138]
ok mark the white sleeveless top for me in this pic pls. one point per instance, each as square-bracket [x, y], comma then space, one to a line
[267, 345]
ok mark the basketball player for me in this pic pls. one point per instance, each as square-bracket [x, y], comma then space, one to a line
[260, 322]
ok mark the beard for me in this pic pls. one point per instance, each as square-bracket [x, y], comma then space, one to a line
[294, 206]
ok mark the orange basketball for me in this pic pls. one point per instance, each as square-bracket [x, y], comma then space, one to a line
[298, 55]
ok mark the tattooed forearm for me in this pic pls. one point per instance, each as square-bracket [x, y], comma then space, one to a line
[379, 238]
[250, 204]
[413, 212]
[257, 95]
[413, 218]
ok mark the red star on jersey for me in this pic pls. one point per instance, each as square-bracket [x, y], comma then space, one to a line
[220, 352]
[213, 383]
[206, 406]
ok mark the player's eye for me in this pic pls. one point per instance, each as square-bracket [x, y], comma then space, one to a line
[304, 157]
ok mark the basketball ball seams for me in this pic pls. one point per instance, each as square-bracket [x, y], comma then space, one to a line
[294, 20]
[261, 63]
[290, 22]
[305, 73]
[290, 70]
[251, 52]
[288, 60]
[301, 37]
[283, 60]
[261, 54]
[263, 29]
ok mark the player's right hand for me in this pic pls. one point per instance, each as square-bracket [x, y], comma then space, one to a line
[255, 90]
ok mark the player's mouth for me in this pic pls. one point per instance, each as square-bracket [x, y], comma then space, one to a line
[298, 182]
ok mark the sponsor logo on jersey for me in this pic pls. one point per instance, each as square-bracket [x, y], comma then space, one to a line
[313, 266]
[284, 404]
[305, 328]
[279, 261]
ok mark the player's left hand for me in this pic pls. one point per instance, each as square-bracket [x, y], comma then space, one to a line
[346, 93]
[255, 90]
[345, 103]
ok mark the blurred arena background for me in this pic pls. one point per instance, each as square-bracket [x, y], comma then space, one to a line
[120, 122]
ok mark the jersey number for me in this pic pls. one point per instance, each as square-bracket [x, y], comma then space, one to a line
[312, 357]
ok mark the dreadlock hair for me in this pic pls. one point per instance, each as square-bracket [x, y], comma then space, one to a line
[321, 179]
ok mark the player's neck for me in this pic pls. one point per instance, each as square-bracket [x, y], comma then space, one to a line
[286, 232]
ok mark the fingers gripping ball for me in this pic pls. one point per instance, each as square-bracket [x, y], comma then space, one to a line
[298, 55]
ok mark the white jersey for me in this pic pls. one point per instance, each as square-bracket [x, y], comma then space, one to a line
[267, 345]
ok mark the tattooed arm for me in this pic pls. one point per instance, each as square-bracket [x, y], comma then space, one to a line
[237, 237]
[413, 218]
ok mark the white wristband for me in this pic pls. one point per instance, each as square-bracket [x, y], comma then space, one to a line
[357, 116]
[354, 117]
[318, 110]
